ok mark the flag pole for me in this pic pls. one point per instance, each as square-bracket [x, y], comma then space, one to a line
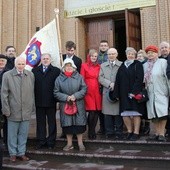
[56, 10]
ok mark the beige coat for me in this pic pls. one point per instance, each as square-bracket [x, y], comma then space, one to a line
[158, 90]
[107, 75]
[17, 95]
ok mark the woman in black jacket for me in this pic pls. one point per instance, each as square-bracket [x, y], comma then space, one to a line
[129, 82]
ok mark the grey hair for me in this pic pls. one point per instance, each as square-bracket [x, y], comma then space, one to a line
[131, 49]
[164, 43]
[142, 52]
[44, 54]
[112, 49]
[18, 59]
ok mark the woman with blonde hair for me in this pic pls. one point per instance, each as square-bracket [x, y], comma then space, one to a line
[93, 100]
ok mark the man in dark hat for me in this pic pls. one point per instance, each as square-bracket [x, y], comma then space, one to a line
[3, 61]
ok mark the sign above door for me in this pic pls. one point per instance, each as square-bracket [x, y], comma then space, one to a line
[75, 8]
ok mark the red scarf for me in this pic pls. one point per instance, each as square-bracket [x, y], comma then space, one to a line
[68, 74]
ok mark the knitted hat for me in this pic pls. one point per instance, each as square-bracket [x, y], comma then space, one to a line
[69, 60]
[151, 48]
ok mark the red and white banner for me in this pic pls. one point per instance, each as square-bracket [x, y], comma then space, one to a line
[43, 41]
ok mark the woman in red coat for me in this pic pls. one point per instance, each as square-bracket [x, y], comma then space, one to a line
[93, 100]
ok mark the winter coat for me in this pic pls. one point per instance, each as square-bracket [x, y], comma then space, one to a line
[1, 75]
[90, 73]
[107, 75]
[129, 80]
[17, 95]
[66, 86]
[158, 90]
[44, 86]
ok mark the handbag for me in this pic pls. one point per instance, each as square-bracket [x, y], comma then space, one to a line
[144, 95]
[70, 108]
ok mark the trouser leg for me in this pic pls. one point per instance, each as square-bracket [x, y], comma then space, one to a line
[41, 125]
[52, 128]
[109, 125]
[13, 128]
[118, 121]
[1, 155]
[5, 130]
[22, 137]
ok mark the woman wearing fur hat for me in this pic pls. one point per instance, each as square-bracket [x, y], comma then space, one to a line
[70, 87]
[157, 86]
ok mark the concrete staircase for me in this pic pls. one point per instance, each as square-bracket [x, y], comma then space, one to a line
[100, 154]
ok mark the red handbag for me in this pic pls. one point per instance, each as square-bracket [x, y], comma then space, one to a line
[70, 108]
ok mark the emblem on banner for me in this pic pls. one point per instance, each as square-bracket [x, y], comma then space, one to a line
[33, 53]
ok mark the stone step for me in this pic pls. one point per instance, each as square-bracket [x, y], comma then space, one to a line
[141, 144]
[99, 154]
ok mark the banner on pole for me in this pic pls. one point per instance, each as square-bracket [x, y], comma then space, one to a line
[43, 41]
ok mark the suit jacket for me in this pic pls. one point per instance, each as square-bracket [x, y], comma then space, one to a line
[77, 61]
[44, 85]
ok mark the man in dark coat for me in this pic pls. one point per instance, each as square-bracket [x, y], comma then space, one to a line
[102, 57]
[45, 76]
[165, 53]
[10, 56]
[70, 53]
[3, 61]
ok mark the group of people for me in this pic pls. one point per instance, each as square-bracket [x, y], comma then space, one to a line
[101, 88]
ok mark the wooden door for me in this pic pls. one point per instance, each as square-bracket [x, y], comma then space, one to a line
[133, 30]
[98, 30]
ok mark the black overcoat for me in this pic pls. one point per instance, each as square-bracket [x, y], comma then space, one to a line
[129, 80]
[44, 86]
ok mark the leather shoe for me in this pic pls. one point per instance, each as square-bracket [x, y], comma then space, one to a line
[92, 137]
[109, 136]
[100, 132]
[40, 147]
[63, 136]
[50, 147]
[13, 158]
[23, 158]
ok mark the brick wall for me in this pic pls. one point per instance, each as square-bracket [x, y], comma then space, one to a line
[155, 23]
[148, 26]
[19, 19]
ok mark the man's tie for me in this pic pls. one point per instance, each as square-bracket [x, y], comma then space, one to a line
[20, 73]
[44, 69]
